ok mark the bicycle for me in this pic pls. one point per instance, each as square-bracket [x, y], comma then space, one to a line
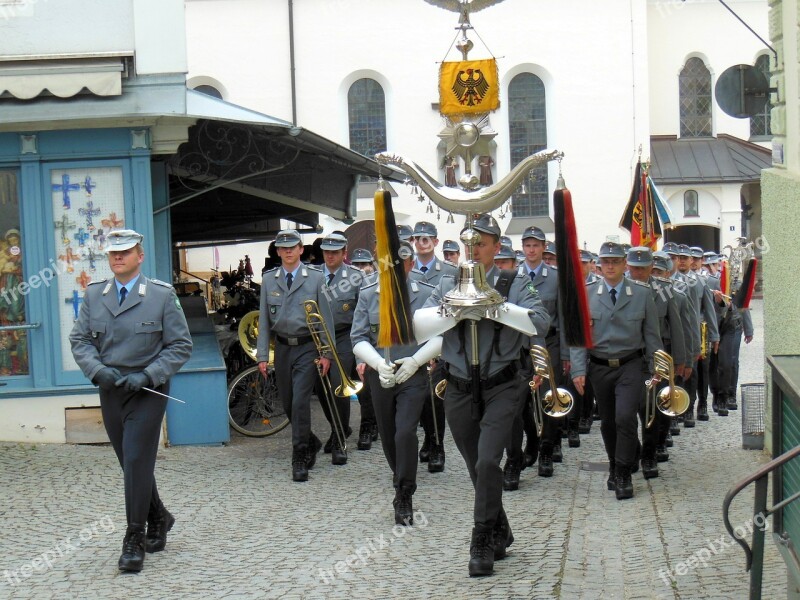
[254, 407]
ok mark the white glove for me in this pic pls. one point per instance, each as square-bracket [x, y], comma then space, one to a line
[474, 313]
[365, 352]
[409, 365]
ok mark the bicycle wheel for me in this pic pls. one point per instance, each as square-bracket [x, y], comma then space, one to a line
[254, 408]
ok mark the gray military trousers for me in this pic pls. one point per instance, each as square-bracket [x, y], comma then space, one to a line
[295, 375]
[481, 443]
[397, 413]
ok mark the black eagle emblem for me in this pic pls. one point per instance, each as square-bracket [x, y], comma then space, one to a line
[470, 90]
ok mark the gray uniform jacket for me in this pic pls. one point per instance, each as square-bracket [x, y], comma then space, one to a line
[510, 341]
[691, 326]
[434, 274]
[147, 333]
[546, 284]
[281, 310]
[669, 318]
[366, 320]
[341, 295]
[620, 329]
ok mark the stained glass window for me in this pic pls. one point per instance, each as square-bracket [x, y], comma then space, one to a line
[694, 89]
[527, 124]
[366, 107]
[760, 123]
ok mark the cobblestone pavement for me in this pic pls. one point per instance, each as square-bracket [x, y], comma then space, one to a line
[244, 530]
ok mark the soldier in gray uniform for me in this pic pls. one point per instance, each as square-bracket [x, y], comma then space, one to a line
[625, 335]
[398, 396]
[282, 315]
[545, 279]
[663, 267]
[733, 323]
[481, 430]
[586, 400]
[451, 252]
[549, 256]
[428, 268]
[405, 232]
[340, 290]
[640, 267]
[131, 333]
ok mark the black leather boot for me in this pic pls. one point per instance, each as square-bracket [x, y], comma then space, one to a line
[300, 464]
[425, 451]
[338, 455]
[502, 535]
[668, 441]
[511, 472]
[649, 467]
[611, 482]
[365, 436]
[661, 454]
[574, 438]
[374, 432]
[674, 428]
[436, 460]
[403, 507]
[722, 406]
[546, 462]
[558, 456]
[731, 403]
[314, 445]
[624, 484]
[481, 551]
[159, 522]
[132, 557]
[328, 448]
[688, 418]
[584, 425]
[702, 411]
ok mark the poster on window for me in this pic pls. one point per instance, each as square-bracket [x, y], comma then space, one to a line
[87, 205]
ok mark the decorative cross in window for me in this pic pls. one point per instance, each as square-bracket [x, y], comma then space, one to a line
[89, 185]
[75, 300]
[89, 212]
[112, 222]
[65, 187]
[84, 279]
[82, 236]
[65, 224]
[68, 257]
[91, 257]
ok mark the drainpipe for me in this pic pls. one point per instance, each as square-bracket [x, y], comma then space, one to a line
[291, 62]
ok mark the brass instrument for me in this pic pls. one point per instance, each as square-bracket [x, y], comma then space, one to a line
[433, 404]
[558, 404]
[672, 400]
[703, 340]
[248, 336]
[441, 387]
[317, 327]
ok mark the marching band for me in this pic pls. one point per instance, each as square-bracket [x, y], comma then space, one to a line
[659, 322]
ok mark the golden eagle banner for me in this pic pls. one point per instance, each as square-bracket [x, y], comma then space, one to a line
[468, 87]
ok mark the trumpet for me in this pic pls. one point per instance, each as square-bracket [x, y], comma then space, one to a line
[317, 327]
[672, 400]
[556, 403]
[703, 340]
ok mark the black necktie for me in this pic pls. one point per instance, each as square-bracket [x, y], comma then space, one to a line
[330, 278]
[532, 274]
[289, 279]
[122, 295]
[423, 269]
[613, 293]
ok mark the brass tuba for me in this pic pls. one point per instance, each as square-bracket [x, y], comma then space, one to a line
[248, 336]
[556, 403]
[672, 400]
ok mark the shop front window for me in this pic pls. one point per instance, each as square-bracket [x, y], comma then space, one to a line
[13, 341]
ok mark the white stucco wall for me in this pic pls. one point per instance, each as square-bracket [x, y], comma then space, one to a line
[679, 30]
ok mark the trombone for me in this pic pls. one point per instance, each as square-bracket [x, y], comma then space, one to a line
[556, 403]
[316, 326]
[672, 400]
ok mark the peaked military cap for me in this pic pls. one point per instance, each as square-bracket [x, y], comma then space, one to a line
[710, 258]
[684, 250]
[640, 256]
[550, 248]
[661, 260]
[670, 248]
[123, 239]
[535, 233]
[361, 255]
[586, 256]
[506, 241]
[287, 238]
[450, 246]
[486, 224]
[697, 252]
[611, 250]
[425, 228]
[404, 232]
[333, 241]
[505, 252]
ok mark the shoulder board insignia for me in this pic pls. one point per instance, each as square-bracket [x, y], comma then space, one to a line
[414, 287]
[98, 281]
[314, 268]
[426, 284]
[554, 267]
[161, 283]
[663, 280]
[303, 272]
[416, 271]
[450, 263]
[372, 284]
[543, 272]
[592, 282]
[271, 270]
[641, 283]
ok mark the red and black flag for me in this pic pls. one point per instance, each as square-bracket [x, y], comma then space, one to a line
[641, 214]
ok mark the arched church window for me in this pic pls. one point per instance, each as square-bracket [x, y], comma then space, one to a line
[527, 124]
[694, 88]
[366, 109]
